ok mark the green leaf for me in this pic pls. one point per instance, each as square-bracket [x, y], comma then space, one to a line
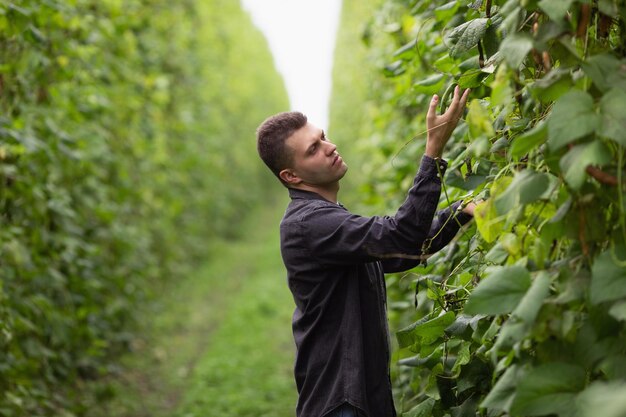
[445, 12]
[618, 311]
[407, 51]
[466, 36]
[500, 292]
[515, 47]
[600, 68]
[555, 10]
[552, 86]
[463, 326]
[608, 276]
[429, 85]
[424, 331]
[472, 78]
[479, 120]
[423, 409]
[487, 221]
[609, 8]
[613, 113]
[575, 162]
[572, 118]
[549, 388]
[501, 395]
[529, 306]
[606, 399]
[529, 140]
[517, 327]
[527, 187]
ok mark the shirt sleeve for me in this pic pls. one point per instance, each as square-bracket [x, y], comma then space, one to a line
[336, 236]
[444, 227]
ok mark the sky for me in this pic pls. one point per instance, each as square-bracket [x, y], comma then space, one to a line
[301, 35]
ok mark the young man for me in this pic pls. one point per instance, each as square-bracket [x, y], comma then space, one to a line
[335, 261]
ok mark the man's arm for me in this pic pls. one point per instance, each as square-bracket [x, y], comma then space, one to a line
[444, 227]
[335, 236]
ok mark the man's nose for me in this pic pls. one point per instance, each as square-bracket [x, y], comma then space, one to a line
[331, 148]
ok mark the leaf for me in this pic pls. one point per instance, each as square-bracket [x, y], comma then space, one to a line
[618, 311]
[472, 78]
[486, 216]
[463, 326]
[552, 86]
[527, 187]
[500, 292]
[517, 327]
[407, 51]
[424, 331]
[600, 68]
[501, 395]
[577, 159]
[608, 278]
[612, 111]
[529, 306]
[529, 140]
[609, 8]
[606, 399]
[479, 120]
[423, 409]
[572, 118]
[446, 11]
[467, 35]
[555, 10]
[549, 388]
[429, 85]
[515, 47]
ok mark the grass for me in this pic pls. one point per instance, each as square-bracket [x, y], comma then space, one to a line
[220, 343]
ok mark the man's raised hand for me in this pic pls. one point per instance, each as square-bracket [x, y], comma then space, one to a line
[441, 127]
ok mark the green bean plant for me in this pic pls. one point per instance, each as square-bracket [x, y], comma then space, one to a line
[524, 313]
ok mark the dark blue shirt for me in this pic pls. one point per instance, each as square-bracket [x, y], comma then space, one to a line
[335, 263]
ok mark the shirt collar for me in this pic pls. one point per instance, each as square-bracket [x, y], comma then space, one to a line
[297, 194]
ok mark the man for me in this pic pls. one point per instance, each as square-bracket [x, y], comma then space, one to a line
[335, 260]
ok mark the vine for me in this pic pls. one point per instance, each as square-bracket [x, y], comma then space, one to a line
[525, 314]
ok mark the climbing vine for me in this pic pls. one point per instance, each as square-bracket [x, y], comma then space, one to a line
[524, 313]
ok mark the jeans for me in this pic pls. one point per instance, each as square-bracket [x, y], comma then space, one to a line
[345, 410]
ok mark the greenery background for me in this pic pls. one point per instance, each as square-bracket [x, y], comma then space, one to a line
[125, 133]
[136, 241]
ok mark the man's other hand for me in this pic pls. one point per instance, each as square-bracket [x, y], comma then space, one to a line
[441, 127]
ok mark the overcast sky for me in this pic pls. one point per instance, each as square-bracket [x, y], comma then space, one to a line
[301, 35]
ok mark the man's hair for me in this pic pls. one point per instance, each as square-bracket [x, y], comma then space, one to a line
[271, 137]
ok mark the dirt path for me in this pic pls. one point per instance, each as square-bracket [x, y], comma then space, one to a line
[219, 343]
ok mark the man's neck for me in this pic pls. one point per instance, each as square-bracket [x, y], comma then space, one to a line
[329, 192]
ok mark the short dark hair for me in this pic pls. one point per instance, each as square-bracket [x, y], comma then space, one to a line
[271, 137]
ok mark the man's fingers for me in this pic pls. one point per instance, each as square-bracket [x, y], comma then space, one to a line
[464, 100]
[454, 104]
[461, 105]
[432, 108]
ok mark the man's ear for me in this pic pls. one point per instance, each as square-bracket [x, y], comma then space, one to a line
[288, 176]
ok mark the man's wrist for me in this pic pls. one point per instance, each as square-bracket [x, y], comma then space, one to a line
[433, 151]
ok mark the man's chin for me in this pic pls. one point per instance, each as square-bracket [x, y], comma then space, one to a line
[344, 171]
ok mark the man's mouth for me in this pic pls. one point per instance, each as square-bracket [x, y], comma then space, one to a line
[336, 159]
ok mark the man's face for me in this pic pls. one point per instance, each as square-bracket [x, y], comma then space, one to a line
[315, 159]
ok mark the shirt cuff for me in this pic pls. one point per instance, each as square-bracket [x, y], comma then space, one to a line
[432, 168]
[462, 217]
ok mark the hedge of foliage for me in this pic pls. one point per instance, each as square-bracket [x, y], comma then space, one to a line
[524, 314]
[126, 145]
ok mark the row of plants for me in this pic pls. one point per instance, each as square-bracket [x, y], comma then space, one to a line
[524, 313]
[126, 146]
